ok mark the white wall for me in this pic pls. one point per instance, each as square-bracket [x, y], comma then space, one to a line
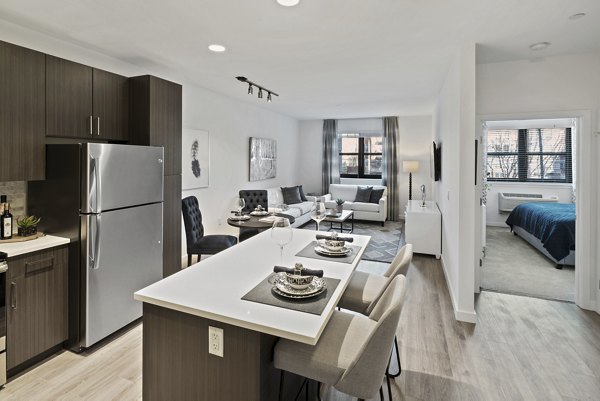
[498, 219]
[310, 153]
[416, 136]
[454, 130]
[231, 123]
[555, 87]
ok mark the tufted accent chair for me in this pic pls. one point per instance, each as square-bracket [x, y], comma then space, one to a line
[197, 242]
[253, 198]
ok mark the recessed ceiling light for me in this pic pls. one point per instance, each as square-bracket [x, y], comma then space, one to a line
[288, 3]
[216, 48]
[539, 46]
[577, 16]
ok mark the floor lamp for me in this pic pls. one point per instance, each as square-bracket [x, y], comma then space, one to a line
[410, 166]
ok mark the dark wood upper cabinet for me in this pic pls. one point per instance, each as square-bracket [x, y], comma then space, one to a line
[84, 102]
[156, 117]
[68, 99]
[111, 105]
[22, 113]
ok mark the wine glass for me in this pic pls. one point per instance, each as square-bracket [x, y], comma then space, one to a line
[318, 213]
[281, 234]
[240, 204]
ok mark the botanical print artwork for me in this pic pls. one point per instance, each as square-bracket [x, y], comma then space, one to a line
[195, 154]
[263, 159]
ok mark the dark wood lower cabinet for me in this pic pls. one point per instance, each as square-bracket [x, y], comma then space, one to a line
[177, 365]
[37, 316]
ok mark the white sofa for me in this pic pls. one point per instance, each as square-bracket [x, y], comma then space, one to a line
[362, 211]
[300, 211]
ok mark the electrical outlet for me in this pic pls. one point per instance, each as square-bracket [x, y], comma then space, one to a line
[215, 341]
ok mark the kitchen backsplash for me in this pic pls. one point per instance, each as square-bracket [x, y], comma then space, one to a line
[16, 194]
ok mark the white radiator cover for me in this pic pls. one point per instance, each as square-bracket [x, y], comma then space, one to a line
[507, 201]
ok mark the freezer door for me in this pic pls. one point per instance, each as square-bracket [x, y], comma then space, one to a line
[122, 254]
[117, 176]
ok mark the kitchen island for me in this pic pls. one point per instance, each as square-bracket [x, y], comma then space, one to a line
[179, 310]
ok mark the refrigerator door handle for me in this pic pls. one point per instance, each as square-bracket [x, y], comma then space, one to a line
[94, 241]
[94, 198]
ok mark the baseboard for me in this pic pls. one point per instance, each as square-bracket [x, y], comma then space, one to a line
[461, 316]
[496, 224]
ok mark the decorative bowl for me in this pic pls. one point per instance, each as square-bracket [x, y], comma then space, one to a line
[334, 245]
[299, 282]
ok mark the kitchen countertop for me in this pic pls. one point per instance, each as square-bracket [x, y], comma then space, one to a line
[214, 288]
[20, 248]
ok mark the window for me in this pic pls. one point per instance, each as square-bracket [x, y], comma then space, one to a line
[529, 155]
[360, 157]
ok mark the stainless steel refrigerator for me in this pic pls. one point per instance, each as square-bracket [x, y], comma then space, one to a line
[108, 199]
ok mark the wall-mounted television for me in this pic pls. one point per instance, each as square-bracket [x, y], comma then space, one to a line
[436, 161]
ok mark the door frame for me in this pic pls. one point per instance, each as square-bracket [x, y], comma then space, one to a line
[586, 273]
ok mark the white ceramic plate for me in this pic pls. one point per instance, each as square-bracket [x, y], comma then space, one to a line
[342, 252]
[238, 218]
[315, 287]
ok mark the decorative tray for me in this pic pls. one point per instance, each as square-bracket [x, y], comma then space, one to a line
[257, 213]
[17, 238]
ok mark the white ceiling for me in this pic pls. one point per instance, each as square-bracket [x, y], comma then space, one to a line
[326, 58]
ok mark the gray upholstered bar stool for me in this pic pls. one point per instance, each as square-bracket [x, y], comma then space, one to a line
[365, 289]
[351, 352]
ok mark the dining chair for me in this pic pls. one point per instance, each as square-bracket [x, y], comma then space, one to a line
[351, 352]
[253, 198]
[365, 289]
[198, 243]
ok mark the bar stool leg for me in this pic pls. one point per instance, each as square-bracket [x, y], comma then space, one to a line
[394, 375]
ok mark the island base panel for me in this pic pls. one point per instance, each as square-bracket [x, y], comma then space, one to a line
[177, 365]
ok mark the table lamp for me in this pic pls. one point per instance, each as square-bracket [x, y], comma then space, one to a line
[410, 166]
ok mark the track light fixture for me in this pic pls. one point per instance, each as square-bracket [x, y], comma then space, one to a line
[251, 86]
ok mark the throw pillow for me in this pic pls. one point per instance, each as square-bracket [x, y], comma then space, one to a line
[302, 193]
[291, 195]
[363, 194]
[376, 195]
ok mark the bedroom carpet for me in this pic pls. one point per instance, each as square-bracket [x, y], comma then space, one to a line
[513, 266]
[385, 241]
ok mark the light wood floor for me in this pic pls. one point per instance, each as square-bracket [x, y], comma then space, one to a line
[521, 349]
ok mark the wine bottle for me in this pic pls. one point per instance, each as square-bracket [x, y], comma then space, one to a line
[7, 222]
[2, 202]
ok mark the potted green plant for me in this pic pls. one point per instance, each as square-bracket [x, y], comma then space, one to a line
[340, 205]
[27, 225]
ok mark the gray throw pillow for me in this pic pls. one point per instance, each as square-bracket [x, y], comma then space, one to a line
[376, 195]
[291, 195]
[363, 194]
[302, 193]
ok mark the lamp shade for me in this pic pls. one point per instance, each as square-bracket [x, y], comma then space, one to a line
[410, 166]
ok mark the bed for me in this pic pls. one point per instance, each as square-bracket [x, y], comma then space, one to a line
[549, 227]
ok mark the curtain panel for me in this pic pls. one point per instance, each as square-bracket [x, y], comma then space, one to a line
[389, 173]
[331, 170]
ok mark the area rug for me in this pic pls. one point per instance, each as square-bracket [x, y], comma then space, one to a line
[513, 266]
[385, 241]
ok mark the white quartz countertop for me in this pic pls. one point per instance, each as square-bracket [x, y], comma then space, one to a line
[20, 248]
[214, 287]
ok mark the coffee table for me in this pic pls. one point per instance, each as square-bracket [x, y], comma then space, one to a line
[341, 219]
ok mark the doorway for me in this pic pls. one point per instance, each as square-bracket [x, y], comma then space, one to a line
[529, 207]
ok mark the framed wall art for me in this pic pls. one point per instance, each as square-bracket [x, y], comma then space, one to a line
[195, 157]
[263, 159]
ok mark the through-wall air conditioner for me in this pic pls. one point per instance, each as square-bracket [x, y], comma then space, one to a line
[508, 201]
